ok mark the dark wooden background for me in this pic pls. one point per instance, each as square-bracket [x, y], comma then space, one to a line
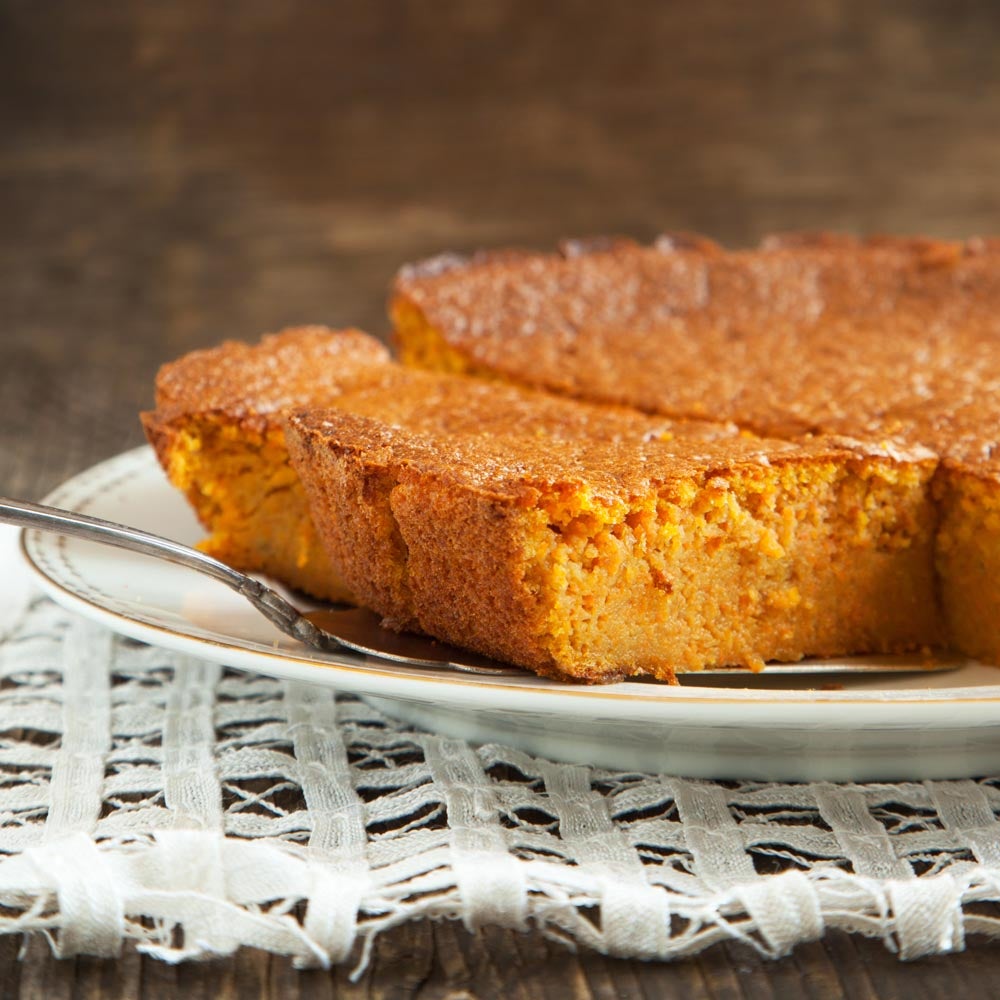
[175, 173]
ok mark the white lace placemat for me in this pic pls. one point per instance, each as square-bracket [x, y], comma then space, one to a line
[193, 809]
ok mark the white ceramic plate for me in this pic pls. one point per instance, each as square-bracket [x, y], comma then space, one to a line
[904, 727]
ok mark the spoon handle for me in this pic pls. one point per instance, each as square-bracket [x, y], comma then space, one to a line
[95, 529]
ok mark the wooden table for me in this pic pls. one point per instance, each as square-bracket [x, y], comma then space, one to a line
[174, 174]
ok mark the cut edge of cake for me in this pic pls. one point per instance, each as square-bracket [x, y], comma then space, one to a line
[217, 433]
[821, 550]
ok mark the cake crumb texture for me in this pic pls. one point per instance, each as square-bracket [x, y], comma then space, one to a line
[594, 560]
[216, 430]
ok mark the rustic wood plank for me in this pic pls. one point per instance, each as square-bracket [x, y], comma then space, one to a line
[10, 967]
[443, 960]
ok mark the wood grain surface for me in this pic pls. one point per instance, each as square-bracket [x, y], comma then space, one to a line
[172, 174]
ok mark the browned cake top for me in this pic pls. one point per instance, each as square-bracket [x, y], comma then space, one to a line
[300, 366]
[440, 403]
[804, 333]
[611, 458]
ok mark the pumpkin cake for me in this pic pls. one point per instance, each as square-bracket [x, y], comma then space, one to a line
[799, 335]
[588, 545]
[585, 541]
[850, 387]
[892, 341]
[217, 432]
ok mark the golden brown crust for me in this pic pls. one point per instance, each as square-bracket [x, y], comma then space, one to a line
[807, 332]
[609, 455]
[255, 383]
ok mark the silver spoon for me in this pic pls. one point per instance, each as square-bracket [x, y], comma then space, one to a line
[356, 629]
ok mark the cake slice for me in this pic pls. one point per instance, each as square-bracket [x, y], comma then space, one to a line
[822, 334]
[590, 544]
[891, 341]
[217, 432]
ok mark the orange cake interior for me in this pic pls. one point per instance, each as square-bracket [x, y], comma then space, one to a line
[589, 545]
[217, 432]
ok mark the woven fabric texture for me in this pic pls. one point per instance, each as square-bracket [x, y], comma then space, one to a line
[195, 810]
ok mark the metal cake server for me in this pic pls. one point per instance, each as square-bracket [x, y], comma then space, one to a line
[356, 629]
